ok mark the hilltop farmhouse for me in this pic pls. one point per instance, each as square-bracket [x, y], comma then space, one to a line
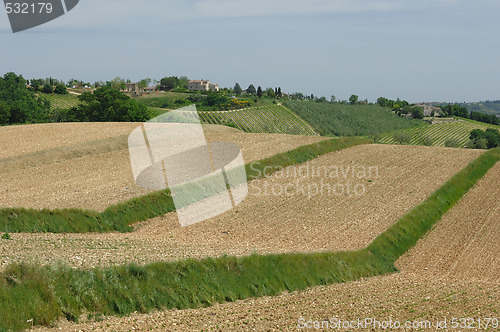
[202, 85]
[134, 88]
[429, 110]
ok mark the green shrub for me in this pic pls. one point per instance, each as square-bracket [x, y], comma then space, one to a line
[452, 143]
[481, 143]
[427, 141]
[401, 137]
[490, 136]
[6, 236]
[469, 144]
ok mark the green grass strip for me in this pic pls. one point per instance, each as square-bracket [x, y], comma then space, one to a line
[120, 216]
[404, 234]
[45, 293]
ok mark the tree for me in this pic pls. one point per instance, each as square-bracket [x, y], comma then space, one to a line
[107, 103]
[36, 84]
[118, 83]
[417, 112]
[237, 89]
[251, 89]
[71, 83]
[488, 139]
[144, 83]
[47, 88]
[332, 99]
[279, 94]
[353, 99]
[60, 89]
[169, 83]
[259, 92]
[18, 104]
[217, 100]
[270, 93]
[183, 82]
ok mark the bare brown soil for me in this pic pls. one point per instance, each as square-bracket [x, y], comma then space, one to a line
[271, 221]
[451, 273]
[82, 165]
[465, 244]
[18, 140]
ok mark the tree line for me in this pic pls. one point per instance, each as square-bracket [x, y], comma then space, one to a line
[487, 139]
[461, 111]
[20, 104]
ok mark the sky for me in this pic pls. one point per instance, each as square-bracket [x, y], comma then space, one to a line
[425, 50]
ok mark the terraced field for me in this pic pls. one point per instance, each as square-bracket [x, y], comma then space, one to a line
[440, 132]
[464, 244]
[268, 221]
[262, 119]
[62, 101]
[451, 273]
[87, 165]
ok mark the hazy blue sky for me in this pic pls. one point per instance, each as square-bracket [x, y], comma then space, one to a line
[419, 50]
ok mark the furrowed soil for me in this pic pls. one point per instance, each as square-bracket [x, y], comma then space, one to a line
[316, 213]
[465, 244]
[87, 165]
[451, 273]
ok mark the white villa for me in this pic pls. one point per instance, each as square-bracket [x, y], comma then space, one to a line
[202, 85]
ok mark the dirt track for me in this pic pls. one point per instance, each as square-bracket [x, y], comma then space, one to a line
[269, 223]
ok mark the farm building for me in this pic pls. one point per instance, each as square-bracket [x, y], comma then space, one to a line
[429, 109]
[134, 87]
[131, 87]
[202, 85]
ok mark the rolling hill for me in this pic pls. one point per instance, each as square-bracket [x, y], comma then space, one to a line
[61, 101]
[335, 119]
[260, 119]
[439, 133]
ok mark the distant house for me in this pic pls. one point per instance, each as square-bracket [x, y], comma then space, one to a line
[131, 87]
[150, 89]
[202, 85]
[429, 109]
[134, 88]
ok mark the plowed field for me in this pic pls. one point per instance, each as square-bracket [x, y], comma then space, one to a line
[270, 220]
[451, 273]
[87, 165]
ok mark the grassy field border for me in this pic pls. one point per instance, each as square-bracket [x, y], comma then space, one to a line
[42, 294]
[119, 217]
